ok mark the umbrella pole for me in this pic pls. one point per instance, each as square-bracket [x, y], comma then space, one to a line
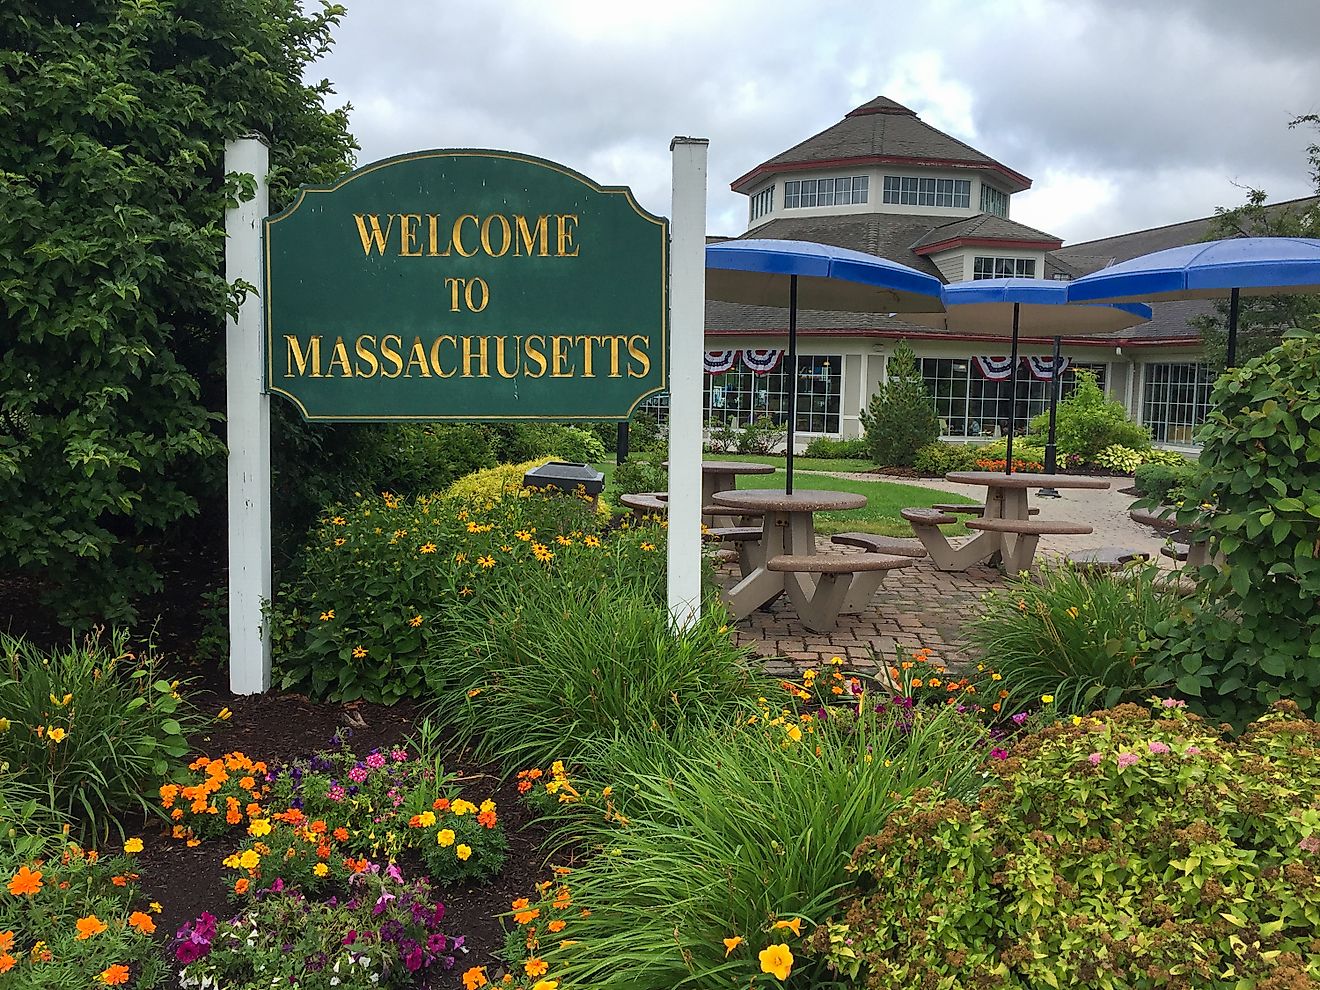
[1232, 329]
[792, 381]
[1012, 396]
[1051, 452]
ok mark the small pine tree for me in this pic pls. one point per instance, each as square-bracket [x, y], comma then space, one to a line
[900, 419]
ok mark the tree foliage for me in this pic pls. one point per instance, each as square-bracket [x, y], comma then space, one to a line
[1264, 320]
[113, 120]
[900, 419]
[1086, 422]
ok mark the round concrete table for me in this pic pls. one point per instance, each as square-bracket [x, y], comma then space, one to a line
[718, 476]
[787, 527]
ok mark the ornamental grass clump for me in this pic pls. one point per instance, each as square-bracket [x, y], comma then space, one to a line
[718, 849]
[1086, 639]
[530, 677]
[1136, 848]
[90, 727]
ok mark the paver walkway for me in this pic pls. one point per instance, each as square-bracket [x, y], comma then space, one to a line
[920, 606]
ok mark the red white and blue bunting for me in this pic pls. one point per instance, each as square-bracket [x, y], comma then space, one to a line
[995, 369]
[718, 362]
[1042, 368]
[761, 361]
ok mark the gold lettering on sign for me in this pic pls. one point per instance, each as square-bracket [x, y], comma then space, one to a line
[540, 232]
[407, 233]
[614, 341]
[417, 358]
[458, 234]
[367, 355]
[480, 356]
[639, 355]
[587, 354]
[391, 354]
[499, 356]
[536, 354]
[558, 358]
[506, 236]
[566, 223]
[433, 237]
[300, 358]
[376, 237]
[435, 355]
[339, 359]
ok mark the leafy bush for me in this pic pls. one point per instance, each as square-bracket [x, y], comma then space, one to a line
[1086, 639]
[720, 844]
[846, 449]
[386, 933]
[1168, 458]
[721, 437]
[900, 419]
[1259, 638]
[71, 918]
[634, 476]
[115, 154]
[91, 727]
[1085, 423]
[762, 435]
[373, 591]
[492, 484]
[939, 458]
[1118, 458]
[1156, 481]
[527, 678]
[645, 434]
[1122, 851]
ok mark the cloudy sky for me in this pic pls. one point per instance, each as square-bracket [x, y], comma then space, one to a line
[1125, 113]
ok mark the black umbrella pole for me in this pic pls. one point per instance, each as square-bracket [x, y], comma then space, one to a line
[1232, 329]
[792, 382]
[1051, 452]
[1012, 395]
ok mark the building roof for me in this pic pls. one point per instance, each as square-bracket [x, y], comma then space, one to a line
[888, 235]
[987, 229]
[881, 132]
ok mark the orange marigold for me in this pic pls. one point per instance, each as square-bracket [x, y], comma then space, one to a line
[25, 881]
[536, 966]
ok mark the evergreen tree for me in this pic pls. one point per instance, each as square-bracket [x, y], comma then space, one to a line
[900, 419]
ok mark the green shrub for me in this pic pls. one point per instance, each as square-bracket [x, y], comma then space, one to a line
[1085, 423]
[1156, 481]
[1088, 640]
[736, 835]
[634, 476]
[646, 434]
[855, 448]
[939, 458]
[762, 436]
[1120, 852]
[379, 582]
[1258, 640]
[92, 727]
[531, 677]
[493, 484]
[1168, 458]
[721, 437]
[900, 419]
[1118, 458]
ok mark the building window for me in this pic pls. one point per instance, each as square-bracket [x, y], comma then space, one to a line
[994, 201]
[763, 202]
[1175, 400]
[911, 191]
[1003, 268]
[970, 405]
[802, 193]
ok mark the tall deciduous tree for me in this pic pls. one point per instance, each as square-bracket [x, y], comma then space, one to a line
[900, 419]
[113, 119]
[1263, 320]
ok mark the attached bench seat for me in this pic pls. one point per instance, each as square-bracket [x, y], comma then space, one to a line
[1144, 517]
[1101, 559]
[928, 517]
[646, 503]
[880, 544]
[844, 582]
[731, 534]
[1030, 527]
[959, 508]
[747, 547]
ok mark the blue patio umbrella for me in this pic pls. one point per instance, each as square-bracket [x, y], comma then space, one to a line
[1032, 307]
[1236, 266]
[764, 272]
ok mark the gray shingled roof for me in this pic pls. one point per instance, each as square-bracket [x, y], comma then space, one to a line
[887, 130]
[888, 235]
[984, 225]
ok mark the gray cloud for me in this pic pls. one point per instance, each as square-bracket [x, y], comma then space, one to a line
[1155, 110]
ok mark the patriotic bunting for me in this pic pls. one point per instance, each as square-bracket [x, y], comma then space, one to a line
[995, 369]
[1042, 368]
[718, 362]
[761, 361]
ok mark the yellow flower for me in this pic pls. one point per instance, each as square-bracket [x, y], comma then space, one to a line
[61, 702]
[794, 733]
[249, 860]
[486, 562]
[591, 541]
[155, 907]
[732, 943]
[133, 845]
[1047, 698]
[546, 984]
[359, 652]
[415, 621]
[340, 541]
[57, 734]
[426, 548]
[259, 827]
[777, 960]
[1072, 612]
[338, 521]
[320, 869]
[327, 615]
[463, 852]
[648, 546]
[445, 837]
[996, 677]
[223, 715]
[4, 725]
[795, 926]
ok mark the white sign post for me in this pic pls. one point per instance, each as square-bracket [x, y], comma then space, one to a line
[247, 408]
[687, 332]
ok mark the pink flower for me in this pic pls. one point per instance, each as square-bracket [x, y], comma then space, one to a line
[375, 761]
[399, 755]
[359, 775]
[1157, 747]
[1127, 759]
[998, 754]
[1096, 759]
[336, 793]
[1191, 750]
[1173, 703]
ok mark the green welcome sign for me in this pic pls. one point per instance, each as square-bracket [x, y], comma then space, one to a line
[465, 284]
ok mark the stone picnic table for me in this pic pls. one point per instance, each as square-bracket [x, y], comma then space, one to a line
[718, 476]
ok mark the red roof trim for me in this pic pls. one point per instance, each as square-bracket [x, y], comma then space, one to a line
[992, 242]
[740, 184]
[937, 335]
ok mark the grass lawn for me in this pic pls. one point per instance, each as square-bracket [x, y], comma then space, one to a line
[884, 499]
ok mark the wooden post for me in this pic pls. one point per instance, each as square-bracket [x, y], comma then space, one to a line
[687, 333]
[248, 417]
